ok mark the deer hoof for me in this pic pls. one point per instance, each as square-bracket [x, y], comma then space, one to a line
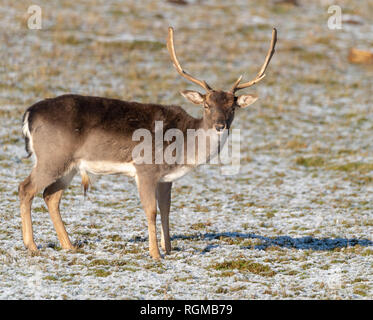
[31, 247]
[155, 255]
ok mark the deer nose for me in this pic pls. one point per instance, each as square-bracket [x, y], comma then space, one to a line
[219, 127]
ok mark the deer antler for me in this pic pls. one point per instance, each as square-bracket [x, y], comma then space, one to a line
[261, 74]
[171, 50]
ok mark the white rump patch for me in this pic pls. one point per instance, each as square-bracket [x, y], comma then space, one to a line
[26, 133]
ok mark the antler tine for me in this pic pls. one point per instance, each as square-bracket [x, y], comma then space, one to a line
[236, 83]
[261, 73]
[171, 50]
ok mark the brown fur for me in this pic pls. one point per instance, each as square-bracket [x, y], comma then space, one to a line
[70, 128]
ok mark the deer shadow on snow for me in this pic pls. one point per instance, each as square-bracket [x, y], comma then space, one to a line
[302, 243]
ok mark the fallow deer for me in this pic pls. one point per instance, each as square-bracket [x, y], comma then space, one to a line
[73, 134]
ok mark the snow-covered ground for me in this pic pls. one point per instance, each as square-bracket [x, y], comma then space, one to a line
[295, 223]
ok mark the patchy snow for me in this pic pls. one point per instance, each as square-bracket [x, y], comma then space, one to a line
[301, 205]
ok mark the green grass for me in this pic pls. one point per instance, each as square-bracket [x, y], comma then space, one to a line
[312, 161]
[367, 252]
[143, 45]
[41, 209]
[244, 265]
[101, 273]
[51, 278]
[99, 262]
[361, 289]
[360, 167]
[198, 226]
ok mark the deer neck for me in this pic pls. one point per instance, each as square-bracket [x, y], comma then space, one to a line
[213, 142]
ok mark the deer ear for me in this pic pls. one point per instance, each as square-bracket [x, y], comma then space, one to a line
[193, 96]
[246, 99]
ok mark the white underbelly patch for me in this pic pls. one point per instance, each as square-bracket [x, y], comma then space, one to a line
[107, 167]
[176, 173]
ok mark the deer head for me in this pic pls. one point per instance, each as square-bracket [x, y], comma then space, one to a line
[219, 106]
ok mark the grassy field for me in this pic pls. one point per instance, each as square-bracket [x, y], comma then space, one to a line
[295, 223]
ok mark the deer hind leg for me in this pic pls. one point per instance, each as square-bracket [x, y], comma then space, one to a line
[34, 183]
[27, 190]
[52, 196]
[147, 192]
[164, 202]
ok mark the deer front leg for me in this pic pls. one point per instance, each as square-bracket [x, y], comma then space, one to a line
[53, 201]
[52, 197]
[164, 202]
[147, 192]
